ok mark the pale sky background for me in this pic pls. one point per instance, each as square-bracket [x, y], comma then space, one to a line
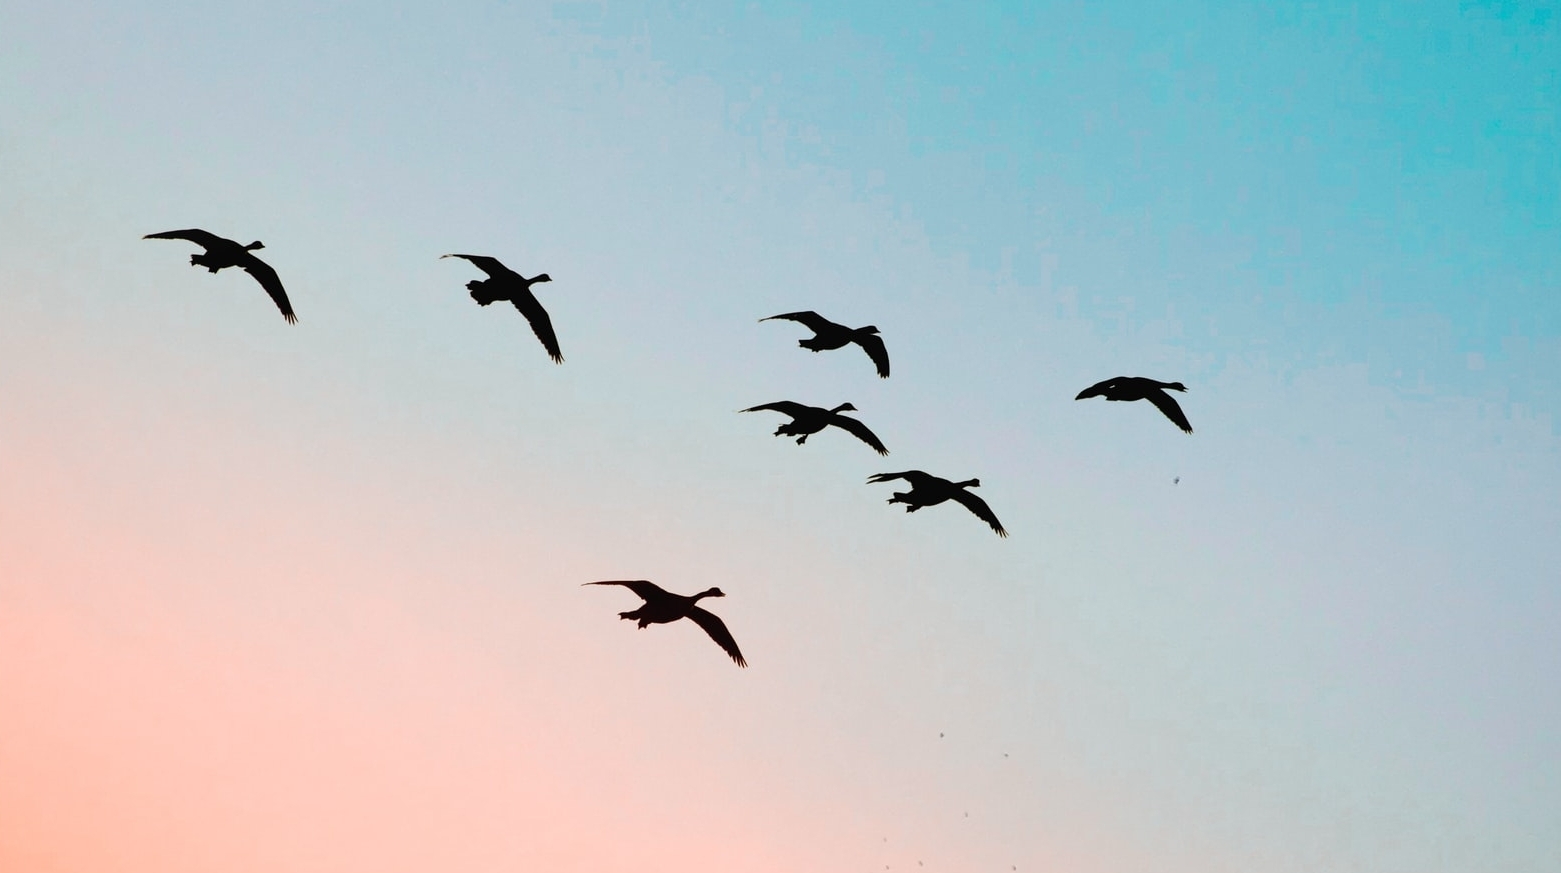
[298, 599]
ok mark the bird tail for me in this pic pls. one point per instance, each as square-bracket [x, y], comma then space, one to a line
[480, 292]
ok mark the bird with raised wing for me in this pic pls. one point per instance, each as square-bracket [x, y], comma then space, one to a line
[828, 335]
[1124, 388]
[662, 606]
[223, 253]
[506, 284]
[809, 420]
[929, 490]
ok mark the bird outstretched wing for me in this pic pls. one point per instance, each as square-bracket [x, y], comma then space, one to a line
[646, 590]
[858, 430]
[982, 511]
[809, 318]
[1097, 389]
[916, 477]
[716, 628]
[541, 325]
[875, 349]
[488, 265]
[202, 238]
[1168, 405]
[269, 280]
[785, 407]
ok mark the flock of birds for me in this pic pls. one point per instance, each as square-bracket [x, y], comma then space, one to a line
[661, 606]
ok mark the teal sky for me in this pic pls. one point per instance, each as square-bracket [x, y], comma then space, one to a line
[1329, 646]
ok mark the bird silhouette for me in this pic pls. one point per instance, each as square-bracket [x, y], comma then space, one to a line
[506, 284]
[929, 490]
[223, 253]
[809, 420]
[662, 606]
[828, 335]
[1139, 388]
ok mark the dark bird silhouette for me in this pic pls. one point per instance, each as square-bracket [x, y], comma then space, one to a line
[223, 253]
[1139, 388]
[809, 420]
[506, 284]
[929, 490]
[662, 606]
[828, 335]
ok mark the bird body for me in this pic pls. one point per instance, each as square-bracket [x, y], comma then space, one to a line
[828, 335]
[809, 420]
[1124, 388]
[223, 253]
[506, 284]
[663, 607]
[929, 490]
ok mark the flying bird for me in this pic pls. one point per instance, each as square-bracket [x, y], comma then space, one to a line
[1139, 388]
[828, 335]
[506, 284]
[662, 606]
[223, 253]
[809, 420]
[929, 490]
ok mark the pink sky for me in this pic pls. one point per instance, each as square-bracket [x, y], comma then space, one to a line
[263, 666]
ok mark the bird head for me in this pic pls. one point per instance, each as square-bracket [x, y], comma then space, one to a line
[540, 277]
[844, 407]
[1177, 386]
[257, 244]
[969, 483]
[712, 592]
[869, 329]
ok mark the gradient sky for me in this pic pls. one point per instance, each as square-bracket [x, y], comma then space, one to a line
[307, 598]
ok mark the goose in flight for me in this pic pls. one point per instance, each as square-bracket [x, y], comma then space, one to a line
[929, 490]
[506, 284]
[809, 420]
[662, 606]
[223, 253]
[828, 335]
[1139, 388]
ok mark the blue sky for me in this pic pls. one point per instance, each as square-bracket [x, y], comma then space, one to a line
[1329, 646]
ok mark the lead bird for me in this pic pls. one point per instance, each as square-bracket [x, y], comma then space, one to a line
[930, 490]
[223, 253]
[809, 420]
[663, 607]
[827, 335]
[506, 284]
[1124, 388]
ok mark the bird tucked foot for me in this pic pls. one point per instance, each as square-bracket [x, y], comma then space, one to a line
[802, 439]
